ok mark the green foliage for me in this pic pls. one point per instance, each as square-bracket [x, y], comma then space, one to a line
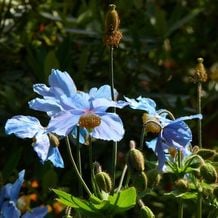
[94, 207]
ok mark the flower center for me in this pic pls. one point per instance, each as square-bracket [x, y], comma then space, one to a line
[89, 120]
[151, 124]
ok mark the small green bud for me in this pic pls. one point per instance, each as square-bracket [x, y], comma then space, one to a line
[139, 180]
[146, 212]
[215, 192]
[135, 160]
[103, 181]
[181, 184]
[208, 173]
[153, 178]
[206, 153]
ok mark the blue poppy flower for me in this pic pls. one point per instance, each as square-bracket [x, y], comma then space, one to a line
[173, 134]
[89, 113]
[30, 127]
[9, 195]
[60, 84]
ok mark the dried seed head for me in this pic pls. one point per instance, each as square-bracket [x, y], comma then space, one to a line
[89, 120]
[151, 124]
[200, 72]
[208, 173]
[112, 35]
[135, 160]
[103, 181]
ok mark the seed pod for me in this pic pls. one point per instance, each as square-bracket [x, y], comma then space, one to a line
[146, 212]
[151, 124]
[103, 181]
[208, 173]
[139, 181]
[200, 72]
[181, 184]
[135, 160]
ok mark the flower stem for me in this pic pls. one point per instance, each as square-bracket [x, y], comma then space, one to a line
[142, 138]
[79, 159]
[75, 167]
[199, 205]
[199, 90]
[114, 153]
[122, 178]
[180, 201]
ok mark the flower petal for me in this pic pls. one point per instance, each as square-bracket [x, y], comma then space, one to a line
[103, 92]
[63, 123]
[111, 128]
[42, 89]
[38, 212]
[9, 210]
[55, 157]
[23, 126]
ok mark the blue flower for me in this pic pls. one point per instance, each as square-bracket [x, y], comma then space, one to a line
[9, 199]
[89, 112]
[30, 127]
[174, 134]
[60, 84]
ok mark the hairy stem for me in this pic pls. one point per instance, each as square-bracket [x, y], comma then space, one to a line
[199, 90]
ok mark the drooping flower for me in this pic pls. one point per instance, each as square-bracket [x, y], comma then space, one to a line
[30, 127]
[9, 196]
[171, 133]
[89, 113]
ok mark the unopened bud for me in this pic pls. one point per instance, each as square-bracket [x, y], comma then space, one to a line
[53, 140]
[181, 184]
[139, 181]
[103, 181]
[151, 124]
[215, 192]
[215, 157]
[135, 160]
[206, 153]
[146, 212]
[208, 173]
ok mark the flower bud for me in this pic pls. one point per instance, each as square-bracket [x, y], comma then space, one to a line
[153, 178]
[181, 185]
[215, 157]
[53, 140]
[215, 192]
[23, 203]
[135, 160]
[206, 153]
[139, 181]
[103, 181]
[208, 173]
[151, 124]
[146, 212]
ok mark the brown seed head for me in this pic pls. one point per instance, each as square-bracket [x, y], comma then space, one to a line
[200, 72]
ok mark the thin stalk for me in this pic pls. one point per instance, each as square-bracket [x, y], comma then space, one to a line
[180, 201]
[79, 159]
[114, 152]
[75, 167]
[199, 205]
[199, 91]
[91, 165]
[142, 138]
[122, 178]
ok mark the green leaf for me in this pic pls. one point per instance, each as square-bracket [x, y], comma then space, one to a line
[183, 195]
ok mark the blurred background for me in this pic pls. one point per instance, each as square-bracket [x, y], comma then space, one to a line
[162, 40]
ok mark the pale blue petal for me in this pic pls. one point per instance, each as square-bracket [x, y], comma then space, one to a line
[23, 126]
[42, 89]
[111, 128]
[102, 104]
[63, 123]
[152, 144]
[41, 146]
[55, 157]
[160, 154]
[9, 210]
[103, 92]
[38, 212]
[191, 117]
[48, 104]
[83, 134]
[62, 82]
